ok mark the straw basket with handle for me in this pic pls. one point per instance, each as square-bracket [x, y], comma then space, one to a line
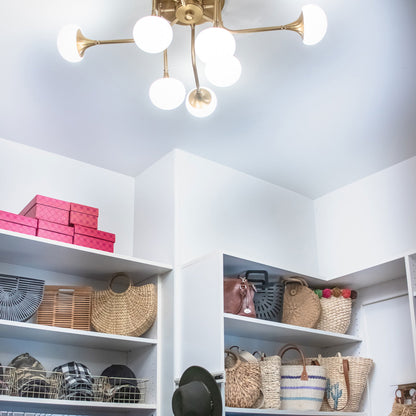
[336, 306]
[242, 382]
[301, 305]
[347, 380]
[131, 312]
[302, 387]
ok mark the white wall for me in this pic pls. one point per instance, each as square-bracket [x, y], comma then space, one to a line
[26, 171]
[218, 208]
[154, 212]
[367, 222]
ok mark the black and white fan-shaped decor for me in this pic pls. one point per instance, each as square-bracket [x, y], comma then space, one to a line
[20, 297]
[268, 297]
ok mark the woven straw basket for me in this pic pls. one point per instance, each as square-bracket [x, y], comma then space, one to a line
[337, 395]
[242, 382]
[270, 380]
[301, 305]
[302, 386]
[403, 409]
[131, 312]
[335, 314]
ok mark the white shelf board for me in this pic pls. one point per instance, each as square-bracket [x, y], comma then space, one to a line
[53, 406]
[242, 326]
[65, 336]
[45, 254]
[253, 412]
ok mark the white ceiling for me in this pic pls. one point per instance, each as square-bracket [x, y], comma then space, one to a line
[310, 119]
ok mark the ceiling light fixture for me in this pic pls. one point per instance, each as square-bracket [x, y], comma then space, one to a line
[214, 46]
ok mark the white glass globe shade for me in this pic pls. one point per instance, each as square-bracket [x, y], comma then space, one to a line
[315, 24]
[152, 34]
[223, 72]
[214, 43]
[201, 108]
[67, 43]
[167, 93]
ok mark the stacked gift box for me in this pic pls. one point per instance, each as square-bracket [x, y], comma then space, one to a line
[61, 221]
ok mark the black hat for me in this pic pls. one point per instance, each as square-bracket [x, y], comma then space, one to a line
[197, 395]
[120, 374]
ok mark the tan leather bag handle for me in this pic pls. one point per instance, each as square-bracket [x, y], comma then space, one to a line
[287, 347]
[345, 369]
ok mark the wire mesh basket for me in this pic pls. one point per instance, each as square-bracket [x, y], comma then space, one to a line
[66, 307]
[125, 390]
[86, 389]
[6, 380]
[38, 384]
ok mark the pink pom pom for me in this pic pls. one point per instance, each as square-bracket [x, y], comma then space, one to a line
[346, 293]
[326, 293]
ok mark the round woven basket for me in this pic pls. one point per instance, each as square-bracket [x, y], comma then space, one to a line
[335, 314]
[131, 312]
[301, 305]
[242, 382]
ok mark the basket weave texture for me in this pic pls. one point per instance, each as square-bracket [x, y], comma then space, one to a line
[242, 382]
[335, 314]
[66, 307]
[301, 305]
[20, 297]
[302, 386]
[270, 381]
[403, 409]
[130, 313]
[359, 369]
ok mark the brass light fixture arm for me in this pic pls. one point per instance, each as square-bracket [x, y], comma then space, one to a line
[296, 26]
[165, 64]
[194, 58]
[84, 43]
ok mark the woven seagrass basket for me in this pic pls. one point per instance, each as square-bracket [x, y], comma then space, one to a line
[403, 409]
[336, 310]
[242, 382]
[131, 312]
[270, 380]
[359, 369]
[20, 297]
[66, 307]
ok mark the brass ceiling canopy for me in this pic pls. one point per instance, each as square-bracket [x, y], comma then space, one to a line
[214, 46]
[188, 12]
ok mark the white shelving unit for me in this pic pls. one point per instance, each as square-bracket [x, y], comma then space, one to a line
[202, 341]
[67, 264]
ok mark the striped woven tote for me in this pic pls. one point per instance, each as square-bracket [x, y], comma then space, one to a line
[302, 387]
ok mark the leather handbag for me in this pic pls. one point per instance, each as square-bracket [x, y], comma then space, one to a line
[239, 296]
[301, 305]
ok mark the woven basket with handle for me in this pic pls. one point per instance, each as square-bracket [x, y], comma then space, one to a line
[301, 305]
[345, 383]
[242, 382]
[131, 312]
